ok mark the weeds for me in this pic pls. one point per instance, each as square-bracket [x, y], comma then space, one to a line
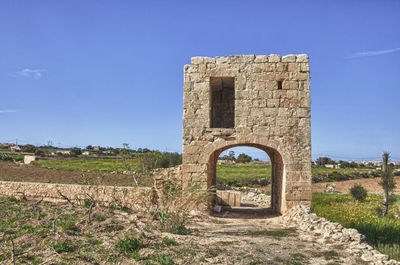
[381, 232]
[169, 242]
[275, 233]
[64, 246]
[128, 245]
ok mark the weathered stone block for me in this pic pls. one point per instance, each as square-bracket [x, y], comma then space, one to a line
[290, 58]
[274, 58]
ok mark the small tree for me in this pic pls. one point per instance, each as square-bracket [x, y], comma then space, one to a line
[139, 164]
[243, 158]
[231, 155]
[76, 151]
[358, 192]
[29, 148]
[322, 161]
[387, 182]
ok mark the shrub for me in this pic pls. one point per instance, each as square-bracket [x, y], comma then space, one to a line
[358, 192]
[128, 245]
[4, 157]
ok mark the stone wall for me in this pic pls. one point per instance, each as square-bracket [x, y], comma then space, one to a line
[271, 111]
[125, 196]
[322, 231]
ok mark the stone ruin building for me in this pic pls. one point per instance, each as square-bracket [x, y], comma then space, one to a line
[257, 101]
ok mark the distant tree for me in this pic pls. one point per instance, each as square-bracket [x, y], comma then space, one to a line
[243, 158]
[76, 151]
[89, 147]
[322, 161]
[39, 152]
[146, 150]
[169, 160]
[29, 148]
[387, 182]
[231, 155]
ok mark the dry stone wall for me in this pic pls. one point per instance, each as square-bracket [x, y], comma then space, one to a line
[124, 196]
[315, 228]
[269, 109]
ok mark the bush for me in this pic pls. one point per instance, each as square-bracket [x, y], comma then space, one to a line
[5, 157]
[76, 151]
[169, 160]
[358, 192]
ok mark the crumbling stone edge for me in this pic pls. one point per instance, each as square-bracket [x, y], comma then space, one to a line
[302, 218]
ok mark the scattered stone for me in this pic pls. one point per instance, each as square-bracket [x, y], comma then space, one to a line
[324, 231]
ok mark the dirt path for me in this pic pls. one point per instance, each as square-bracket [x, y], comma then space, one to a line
[232, 237]
[259, 238]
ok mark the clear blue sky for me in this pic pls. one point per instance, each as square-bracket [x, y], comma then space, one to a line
[109, 72]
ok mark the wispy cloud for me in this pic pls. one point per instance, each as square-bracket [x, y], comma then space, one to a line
[30, 73]
[9, 110]
[374, 53]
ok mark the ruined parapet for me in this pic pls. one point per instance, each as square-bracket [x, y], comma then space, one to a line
[246, 100]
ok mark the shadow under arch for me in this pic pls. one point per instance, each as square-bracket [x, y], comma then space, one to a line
[277, 172]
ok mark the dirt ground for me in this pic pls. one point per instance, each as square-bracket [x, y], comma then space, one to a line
[19, 172]
[370, 184]
[235, 236]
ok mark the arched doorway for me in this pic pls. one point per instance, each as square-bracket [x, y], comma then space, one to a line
[277, 172]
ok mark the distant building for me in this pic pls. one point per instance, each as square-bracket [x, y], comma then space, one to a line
[85, 153]
[15, 148]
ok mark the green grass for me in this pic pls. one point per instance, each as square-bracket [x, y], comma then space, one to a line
[382, 233]
[275, 233]
[320, 171]
[232, 175]
[240, 175]
[246, 174]
[94, 165]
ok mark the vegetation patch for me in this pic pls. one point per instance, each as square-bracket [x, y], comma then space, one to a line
[381, 232]
[275, 233]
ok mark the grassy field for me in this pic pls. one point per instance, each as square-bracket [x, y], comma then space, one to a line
[233, 175]
[94, 165]
[382, 233]
[243, 174]
[240, 175]
[320, 171]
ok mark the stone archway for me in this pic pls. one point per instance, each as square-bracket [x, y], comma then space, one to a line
[277, 172]
[257, 101]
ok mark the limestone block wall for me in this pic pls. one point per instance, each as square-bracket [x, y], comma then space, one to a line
[246, 100]
[125, 196]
